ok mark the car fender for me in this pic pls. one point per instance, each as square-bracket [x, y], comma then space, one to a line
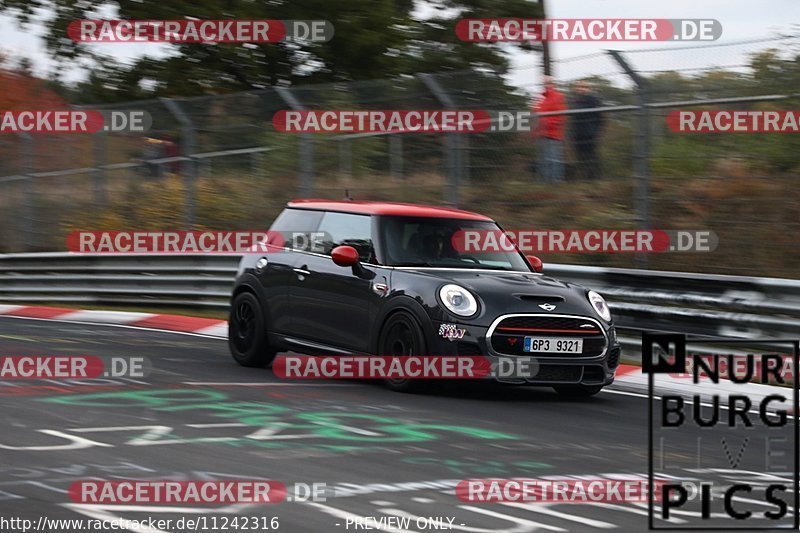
[410, 305]
[248, 282]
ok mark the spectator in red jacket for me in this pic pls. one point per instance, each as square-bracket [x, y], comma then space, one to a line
[550, 132]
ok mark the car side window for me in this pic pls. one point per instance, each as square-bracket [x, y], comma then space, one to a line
[344, 229]
[296, 225]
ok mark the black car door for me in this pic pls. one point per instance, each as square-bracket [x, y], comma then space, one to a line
[278, 275]
[330, 304]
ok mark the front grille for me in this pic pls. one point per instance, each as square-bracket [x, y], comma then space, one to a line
[559, 374]
[509, 336]
[546, 322]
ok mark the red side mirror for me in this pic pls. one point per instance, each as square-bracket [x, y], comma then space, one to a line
[535, 262]
[345, 256]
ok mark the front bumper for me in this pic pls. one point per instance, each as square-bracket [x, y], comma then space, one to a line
[468, 340]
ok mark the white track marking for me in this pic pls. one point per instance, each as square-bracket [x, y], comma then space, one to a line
[541, 509]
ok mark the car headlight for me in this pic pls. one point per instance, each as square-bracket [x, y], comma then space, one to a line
[458, 300]
[600, 305]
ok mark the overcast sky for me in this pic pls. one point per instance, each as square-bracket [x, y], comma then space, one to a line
[741, 20]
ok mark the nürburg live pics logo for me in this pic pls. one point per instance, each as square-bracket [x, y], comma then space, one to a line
[722, 432]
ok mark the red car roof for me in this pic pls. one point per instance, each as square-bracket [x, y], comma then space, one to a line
[386, 208]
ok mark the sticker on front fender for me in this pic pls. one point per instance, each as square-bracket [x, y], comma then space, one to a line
[451, 332]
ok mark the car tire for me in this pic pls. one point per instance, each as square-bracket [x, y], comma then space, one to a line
[247, 337]
[402, 335]
[578, 391]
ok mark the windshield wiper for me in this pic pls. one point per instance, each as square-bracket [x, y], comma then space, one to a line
[417, 264]
[468, 266]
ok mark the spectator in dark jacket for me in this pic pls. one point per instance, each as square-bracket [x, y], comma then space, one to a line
[550, 131]
[585, 129]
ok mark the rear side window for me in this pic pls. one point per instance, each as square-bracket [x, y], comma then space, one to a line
[297, 220]
[340, 229]
[297, 226]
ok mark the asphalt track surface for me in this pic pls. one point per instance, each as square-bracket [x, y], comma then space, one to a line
[198, 415]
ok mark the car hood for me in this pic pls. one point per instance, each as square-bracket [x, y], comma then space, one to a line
[479, 280]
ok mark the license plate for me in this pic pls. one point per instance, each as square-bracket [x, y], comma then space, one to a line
[552, 345]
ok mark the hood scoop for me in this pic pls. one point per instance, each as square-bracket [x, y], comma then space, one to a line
[540, 298]
[516, 277]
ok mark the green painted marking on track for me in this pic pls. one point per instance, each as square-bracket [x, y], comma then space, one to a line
[352, 427]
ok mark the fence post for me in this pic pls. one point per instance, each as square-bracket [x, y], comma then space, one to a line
[345, 149]
[189, 164]
[642, 155]
[396, 156]
[99, 173]
[452, 143]
[28, 221]
[256, 164]
[306, 149]
[463, 160]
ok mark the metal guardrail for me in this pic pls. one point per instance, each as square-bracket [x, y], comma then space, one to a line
[739, 307]
[700, 304]
[119, 279]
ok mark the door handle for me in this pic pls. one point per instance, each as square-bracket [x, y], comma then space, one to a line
[301, 272]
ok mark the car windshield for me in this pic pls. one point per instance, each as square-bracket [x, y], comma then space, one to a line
[428, 242]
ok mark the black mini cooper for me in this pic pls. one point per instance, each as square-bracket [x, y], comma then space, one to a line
[384, 278]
